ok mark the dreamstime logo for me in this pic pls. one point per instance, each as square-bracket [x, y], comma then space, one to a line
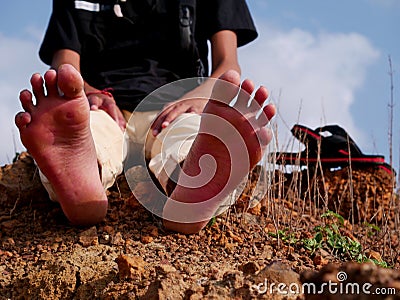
[232, 119]
[341, 276]
[341, 287]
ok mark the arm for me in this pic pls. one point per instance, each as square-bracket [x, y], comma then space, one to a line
[224, 58]
[97, 100]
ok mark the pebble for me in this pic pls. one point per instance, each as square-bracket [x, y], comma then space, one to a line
[89, 237]
[118, 239]
[108, 229]
[165, 269]
[250, 268]
[131, 267]
[146, 239]
[8, 227]
[46, 256]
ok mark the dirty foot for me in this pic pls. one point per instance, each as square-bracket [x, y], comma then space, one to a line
[230, 143]
[56, 133]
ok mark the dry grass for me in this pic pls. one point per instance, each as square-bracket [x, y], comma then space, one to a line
[365, 197]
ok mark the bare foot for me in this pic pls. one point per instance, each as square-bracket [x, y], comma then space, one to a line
[230, 143]
[56, 133]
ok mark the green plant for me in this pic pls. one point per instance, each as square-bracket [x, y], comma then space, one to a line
[285, 236]
[329, 237]
[314, 243]
[211, 222]
[371, 229]
[380, 263]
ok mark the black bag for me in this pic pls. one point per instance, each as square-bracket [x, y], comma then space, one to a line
[332, 147]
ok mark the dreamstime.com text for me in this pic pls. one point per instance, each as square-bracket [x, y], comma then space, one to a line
[330, 287]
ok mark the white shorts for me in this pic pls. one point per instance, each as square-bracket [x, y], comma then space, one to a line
[163, 152]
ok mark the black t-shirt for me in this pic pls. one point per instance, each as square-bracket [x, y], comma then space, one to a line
[139, 52]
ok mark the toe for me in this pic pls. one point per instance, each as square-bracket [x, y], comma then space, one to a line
[26, 100]
[226, 87]
[70, 81]
[37, 86]
[50, 78]
[261, 95]
[264, 136]
[260, 101]
[22, 119]
[247, 86]
[244, 96]
[231, 76]
[268, 113]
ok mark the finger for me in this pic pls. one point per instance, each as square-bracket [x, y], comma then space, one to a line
[112, 111]
[95, 101]
[116, 114]
[172, 115]
[168, 105]
[156, 126]
[107, 103]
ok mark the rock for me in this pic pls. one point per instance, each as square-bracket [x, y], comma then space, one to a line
[20, 182]
[268, 280]
[46, 256]
[146, 239]
[152, 230]
[118, 240]
[132, 268]
[321, 258]
[373, 255]
[267, 252]
[9, 226]
[170, 287]
[108, 229]
[53, 280]
[233, 279]
[234, 237]
[89, 237]
[249, 268]
[8, 243]
[164, 269]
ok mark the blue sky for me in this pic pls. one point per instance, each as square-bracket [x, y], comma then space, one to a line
[325, 62]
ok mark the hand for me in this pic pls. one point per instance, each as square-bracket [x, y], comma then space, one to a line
[174, 109]
[106, 102]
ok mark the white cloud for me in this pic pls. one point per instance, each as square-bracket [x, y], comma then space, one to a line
[312, 78]
[19, 60]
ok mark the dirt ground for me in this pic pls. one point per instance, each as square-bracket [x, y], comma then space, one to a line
[239, 256]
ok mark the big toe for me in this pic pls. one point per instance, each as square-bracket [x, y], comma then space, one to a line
[70, 81]
[226, 87]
